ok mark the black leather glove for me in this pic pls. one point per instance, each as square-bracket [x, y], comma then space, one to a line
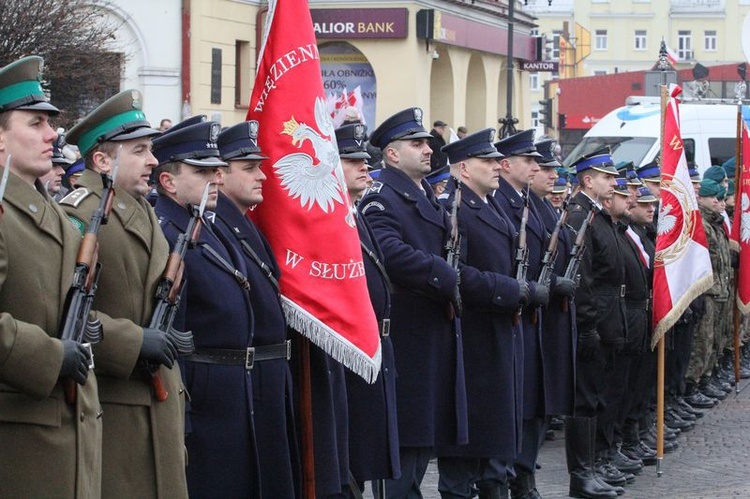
[735, 258]
[588, 345]
[76, 360]
[540, 296]
[564, 287]
[524, 292]
[157, 347]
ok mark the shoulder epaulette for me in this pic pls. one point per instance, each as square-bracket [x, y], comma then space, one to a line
[75, 197]
[376, 186]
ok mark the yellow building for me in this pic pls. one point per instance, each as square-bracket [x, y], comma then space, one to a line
[446, 56]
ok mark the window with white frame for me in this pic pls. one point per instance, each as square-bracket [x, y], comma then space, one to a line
[709, 40]
[639, 40]
[535, 118]
[600, 39]
[685, 45]
[534, 82]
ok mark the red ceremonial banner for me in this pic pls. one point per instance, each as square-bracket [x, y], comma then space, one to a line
[682, 264]
[741, 223]
[306, 214]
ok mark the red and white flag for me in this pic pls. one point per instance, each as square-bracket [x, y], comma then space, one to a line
[741, 223]
[673, 57]
[682, 264]
[305, 213]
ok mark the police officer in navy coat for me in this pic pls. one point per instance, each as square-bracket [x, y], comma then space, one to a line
[241, 190]
[412, 230]
[558, 318]
[373, 426]
[219, 423]
[518, 169]
[493, 344]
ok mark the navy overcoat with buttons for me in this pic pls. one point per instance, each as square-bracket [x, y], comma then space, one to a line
[219, 423]
[536, 236]
[272, 379]
[493, 346]
[373, 423]
[412, 228]
[559, 334]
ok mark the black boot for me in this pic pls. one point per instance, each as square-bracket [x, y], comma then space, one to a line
[697, 399]
[579, 451]
[632, 446]
[492, 490]
[523, 486]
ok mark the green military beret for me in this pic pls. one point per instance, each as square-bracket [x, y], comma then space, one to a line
[715, 173]
[21, 87]
[730, 188]
[118, 118]
[709, 188]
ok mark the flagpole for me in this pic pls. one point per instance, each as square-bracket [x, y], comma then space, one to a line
[738, 160]
[660, 352]
[306, 418]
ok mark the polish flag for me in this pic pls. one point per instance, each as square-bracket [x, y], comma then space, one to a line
[682, 264]
[741, 224]
[672, 55]
[306, 214]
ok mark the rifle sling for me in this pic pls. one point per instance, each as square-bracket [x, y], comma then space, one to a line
[260, 263]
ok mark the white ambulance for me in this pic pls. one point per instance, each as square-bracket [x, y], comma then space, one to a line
[632, 132]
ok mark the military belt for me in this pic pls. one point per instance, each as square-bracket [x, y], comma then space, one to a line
[246, 357]
[614, 291]
[384, 327]
[637, 304]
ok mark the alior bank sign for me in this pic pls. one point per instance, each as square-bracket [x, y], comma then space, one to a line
[360, 23]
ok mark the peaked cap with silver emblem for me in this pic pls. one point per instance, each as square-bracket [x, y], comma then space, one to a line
[240, 142]
[404, 125]
[518, 144]
[351, 141]
[195, 145]
[477, 145]
[547, 149]
[21, 87]
[118, 118]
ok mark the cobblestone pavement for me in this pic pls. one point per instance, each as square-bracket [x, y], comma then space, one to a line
[712, 462]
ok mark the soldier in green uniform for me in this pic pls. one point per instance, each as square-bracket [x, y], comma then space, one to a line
[143, 445]
[703, 356]
[49, 447]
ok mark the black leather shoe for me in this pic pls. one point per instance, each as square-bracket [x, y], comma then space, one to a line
[689, 408]
[709, 390]
[700, 400]
[624, 463]
[682, 412]
[586, 487]
[611, 475]
[556, 423]
[674, 421]
[649, 440]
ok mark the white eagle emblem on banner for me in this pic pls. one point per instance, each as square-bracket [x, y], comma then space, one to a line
[314, 180]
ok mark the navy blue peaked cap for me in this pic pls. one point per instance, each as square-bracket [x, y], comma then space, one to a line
[599, 160]
[518, 144]
[351, 140]
[477, 145]
[195, 145]
[404, 125]
[547, 149]
[649, 172]
[240, 142]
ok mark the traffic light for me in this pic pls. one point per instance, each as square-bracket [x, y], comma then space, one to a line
[561, 121]
[545, 113]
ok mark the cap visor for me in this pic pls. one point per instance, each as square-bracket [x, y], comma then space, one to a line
[415, 135]
[355, 155]
[40, 106]
[606, 169]
[210, 162]
[495, 154]
[530, 154]
[251, 156]
[136, 134]
[549, 164]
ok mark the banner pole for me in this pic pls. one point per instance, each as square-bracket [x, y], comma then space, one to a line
[738, 159]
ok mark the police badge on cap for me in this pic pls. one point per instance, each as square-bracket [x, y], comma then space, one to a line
[418, 115]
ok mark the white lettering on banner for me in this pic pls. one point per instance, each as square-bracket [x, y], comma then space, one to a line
[338, 271]
[282, 65]
[293, 258]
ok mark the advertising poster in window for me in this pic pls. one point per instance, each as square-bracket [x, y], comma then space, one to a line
[349, 82]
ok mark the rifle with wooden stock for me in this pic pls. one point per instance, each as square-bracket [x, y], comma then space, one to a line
[75, 324]
[522, 253]
[550, 254]
[576, 253]
[169, 290]
[453, 251]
